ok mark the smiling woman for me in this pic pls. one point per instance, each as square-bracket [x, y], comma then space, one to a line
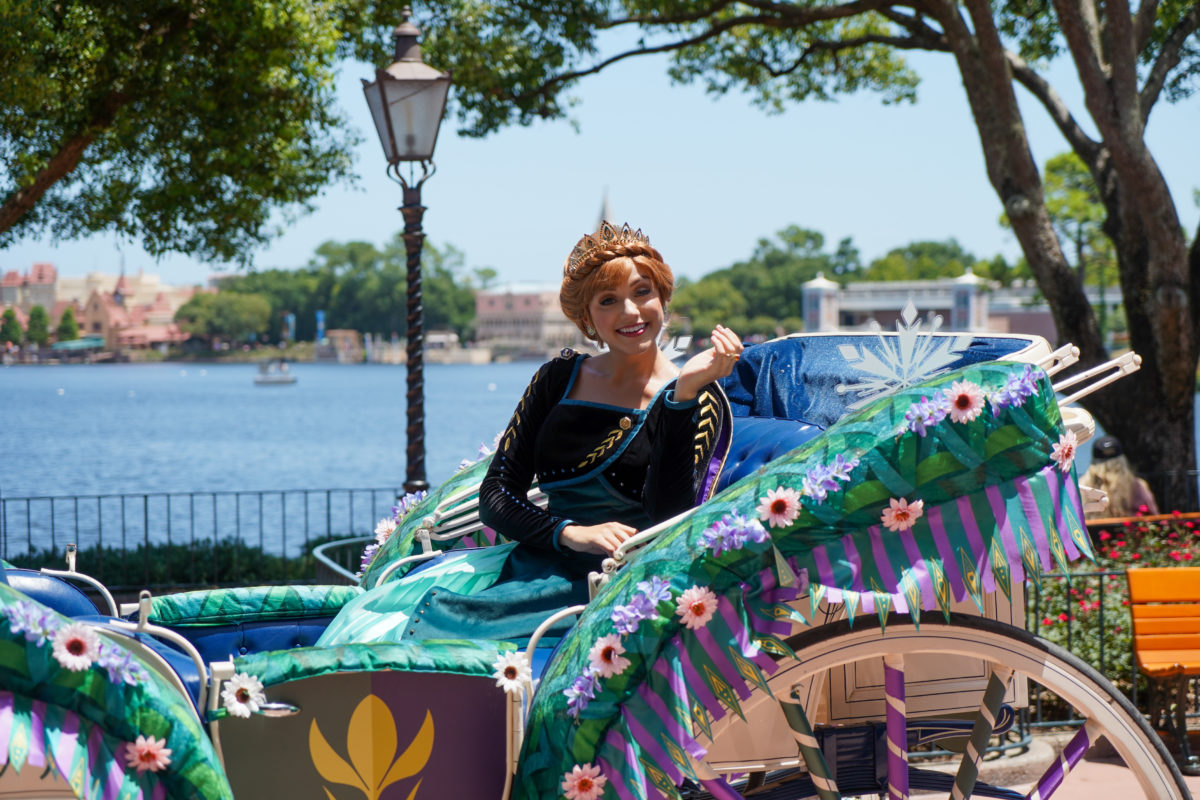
[617, 442]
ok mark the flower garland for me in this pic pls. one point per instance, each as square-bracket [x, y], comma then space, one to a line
[77, 647]
[964, 401]
[387, 526]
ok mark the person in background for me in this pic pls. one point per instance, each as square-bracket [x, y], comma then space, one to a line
[1111, 473]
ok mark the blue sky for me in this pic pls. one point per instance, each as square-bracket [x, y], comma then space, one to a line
[704, 177]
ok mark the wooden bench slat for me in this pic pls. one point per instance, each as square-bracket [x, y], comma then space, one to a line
[1156, 626]
[1189, 640]
[1164, 584]
[1162, 610]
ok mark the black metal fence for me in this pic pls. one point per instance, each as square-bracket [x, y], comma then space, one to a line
[214, 536]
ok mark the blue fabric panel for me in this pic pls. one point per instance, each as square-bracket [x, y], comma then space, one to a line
[759, 440]
[224, 642]
[798, 377]
[55, 593]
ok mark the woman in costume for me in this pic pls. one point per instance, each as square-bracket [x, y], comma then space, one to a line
[618, 442]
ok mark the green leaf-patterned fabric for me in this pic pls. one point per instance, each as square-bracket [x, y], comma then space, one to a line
[80, 721]
[249, 604]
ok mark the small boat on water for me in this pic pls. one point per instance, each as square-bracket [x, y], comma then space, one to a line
[274, 372]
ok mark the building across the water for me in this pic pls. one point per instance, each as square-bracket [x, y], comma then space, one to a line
[523, 320]
[965, 303]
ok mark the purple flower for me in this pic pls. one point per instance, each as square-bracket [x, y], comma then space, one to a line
[406, 503]
[925, 414]
[1015, 391]
[749, 529]
[644, 605]
[581, 692]
[627, 618]
[718, 537]
[818, 482]
[841, 467]
[37, 623]
[368, 554]
[656, 590]
[120, 666]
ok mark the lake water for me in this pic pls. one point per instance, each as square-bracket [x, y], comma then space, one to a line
[208, 454]
[140, 428]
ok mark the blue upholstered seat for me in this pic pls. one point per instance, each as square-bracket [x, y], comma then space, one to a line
[759, 440]
[52, 592]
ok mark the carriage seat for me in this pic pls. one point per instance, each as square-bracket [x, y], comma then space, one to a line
[228, 623]
[759, 440]
[52, 592]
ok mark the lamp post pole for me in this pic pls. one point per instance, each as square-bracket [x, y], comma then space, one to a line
[407, 100]
[414, 239]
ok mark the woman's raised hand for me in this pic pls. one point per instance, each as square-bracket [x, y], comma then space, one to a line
[602, 539]
[710, 365]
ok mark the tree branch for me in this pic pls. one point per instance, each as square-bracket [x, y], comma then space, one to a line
[1040, 88]
[716, 29]
[1168, 59]
[783, 15]
[1143, 24]
[1123, 55]
[62, 163]
[823, 45]
[681, 19]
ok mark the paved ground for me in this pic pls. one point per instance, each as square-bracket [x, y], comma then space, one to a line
[1107, 780]
[1100, 776]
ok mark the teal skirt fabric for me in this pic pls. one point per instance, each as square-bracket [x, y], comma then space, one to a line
[500, 593]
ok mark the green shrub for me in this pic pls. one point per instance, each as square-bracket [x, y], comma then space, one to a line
[1089, 614]
[227, 562]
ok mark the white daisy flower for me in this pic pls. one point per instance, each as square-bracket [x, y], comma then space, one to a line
[385, 529]
[242, 695]
[76, 646]
[512, 671]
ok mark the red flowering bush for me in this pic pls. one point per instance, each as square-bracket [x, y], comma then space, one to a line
[1089, 613]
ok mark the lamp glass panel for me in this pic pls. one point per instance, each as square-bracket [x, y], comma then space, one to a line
[415, 108]
[374, 96]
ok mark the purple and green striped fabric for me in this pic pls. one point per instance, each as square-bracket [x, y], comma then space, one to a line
[998, 510]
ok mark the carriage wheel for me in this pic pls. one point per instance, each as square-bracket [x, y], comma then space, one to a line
[1006, 652]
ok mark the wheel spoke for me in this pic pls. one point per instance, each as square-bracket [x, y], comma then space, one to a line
[897, 726]
[1052, 778]
[985, 723]
[818, 768]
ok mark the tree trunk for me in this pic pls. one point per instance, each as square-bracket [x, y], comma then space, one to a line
[1152, 411]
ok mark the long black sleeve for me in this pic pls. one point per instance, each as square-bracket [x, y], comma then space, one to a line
[503, 503]
[672, 474]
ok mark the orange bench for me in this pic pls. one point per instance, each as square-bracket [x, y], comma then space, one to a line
[1165, 605]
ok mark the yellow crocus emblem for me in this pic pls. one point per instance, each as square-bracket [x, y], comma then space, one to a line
[371, 744]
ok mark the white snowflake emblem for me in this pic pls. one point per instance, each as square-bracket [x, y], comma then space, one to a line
[892, 363]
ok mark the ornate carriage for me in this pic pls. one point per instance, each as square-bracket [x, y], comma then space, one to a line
[849, 594]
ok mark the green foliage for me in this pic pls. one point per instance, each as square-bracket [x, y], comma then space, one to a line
[512, 62]
[68, 327]
[228, 316]
[191, 123]
[37, 328]
[10, 329]
[228, 562]
[1090, 616]
[920, 261]
[364, 288]
[754, 297]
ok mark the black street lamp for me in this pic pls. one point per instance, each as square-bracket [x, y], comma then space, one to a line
[407, 101]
